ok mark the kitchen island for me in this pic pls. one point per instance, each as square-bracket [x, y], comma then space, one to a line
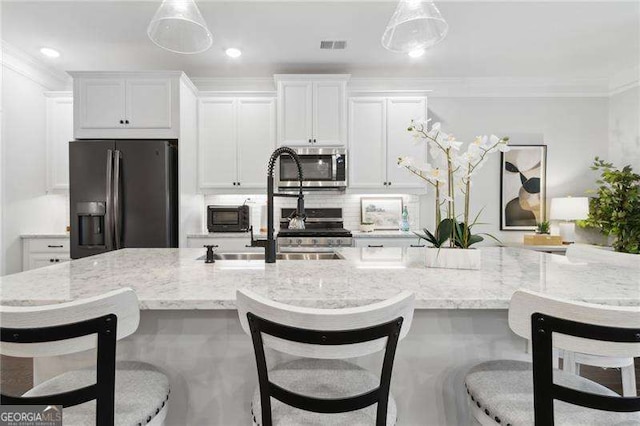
[189, 325]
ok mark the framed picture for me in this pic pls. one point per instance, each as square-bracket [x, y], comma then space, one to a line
[523, 187]
[383, 212]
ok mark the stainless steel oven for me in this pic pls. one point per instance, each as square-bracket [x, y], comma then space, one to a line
[322, 168]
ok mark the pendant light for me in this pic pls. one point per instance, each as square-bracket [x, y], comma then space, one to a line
[179, 27]
[414, 26]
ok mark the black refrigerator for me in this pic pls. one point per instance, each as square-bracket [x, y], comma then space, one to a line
[122, 194]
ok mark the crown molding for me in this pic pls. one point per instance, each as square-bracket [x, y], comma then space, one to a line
[234, 84]
[432, 87]
[484, 87]
[37, 71]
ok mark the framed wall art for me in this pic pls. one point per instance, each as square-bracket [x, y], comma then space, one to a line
[383, 212]
[523, 183]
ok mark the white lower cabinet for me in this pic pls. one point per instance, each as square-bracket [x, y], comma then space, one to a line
[388, 242]
[225, 245]
[39, 252]
[236, 136]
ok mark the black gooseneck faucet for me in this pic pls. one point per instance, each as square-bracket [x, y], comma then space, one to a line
[270, 243]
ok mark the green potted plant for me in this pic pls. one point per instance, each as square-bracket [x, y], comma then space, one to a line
[543, 228]
[450, 174]
[615, 209]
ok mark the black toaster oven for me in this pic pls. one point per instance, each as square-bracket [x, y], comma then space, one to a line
[228, 218]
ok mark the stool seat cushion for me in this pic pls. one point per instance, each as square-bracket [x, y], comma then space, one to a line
[141, 392]
[504, 391]
[321, 379]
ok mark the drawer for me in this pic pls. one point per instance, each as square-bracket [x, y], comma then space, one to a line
[49, 245]
[388, 242]
[40, 260]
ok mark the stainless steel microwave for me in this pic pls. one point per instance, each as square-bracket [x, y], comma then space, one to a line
[322, 168]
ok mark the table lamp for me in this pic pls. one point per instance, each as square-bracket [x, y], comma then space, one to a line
[568, 210]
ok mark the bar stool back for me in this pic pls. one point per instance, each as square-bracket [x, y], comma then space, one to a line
[328, 334]
[515, 392]
[576, 327]
[67, 328]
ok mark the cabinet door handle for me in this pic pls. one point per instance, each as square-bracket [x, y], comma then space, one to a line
[238, 183]
[234, 184]
[309, 140]
[121, 121]
[314, 141]
[126, 121]
[384, 183]
[375, 246]
[389, 183]
[416, 245]
[51, 260]
[57, 260]
[55, 246]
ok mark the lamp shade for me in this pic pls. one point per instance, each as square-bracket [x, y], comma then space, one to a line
[415, 25]
[179, 27]
[569, 208]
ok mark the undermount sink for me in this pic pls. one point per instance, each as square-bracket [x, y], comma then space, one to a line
[279, 256]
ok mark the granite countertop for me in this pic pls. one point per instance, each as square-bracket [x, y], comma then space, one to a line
[175, 279]
[40, 236]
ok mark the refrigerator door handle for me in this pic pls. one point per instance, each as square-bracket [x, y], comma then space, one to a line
[108, 238]
[117, 202]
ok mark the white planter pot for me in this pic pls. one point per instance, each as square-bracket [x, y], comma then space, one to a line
[453, 258]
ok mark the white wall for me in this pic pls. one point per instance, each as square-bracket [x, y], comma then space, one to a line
[26, 206]
[575, 130]
[624, 128]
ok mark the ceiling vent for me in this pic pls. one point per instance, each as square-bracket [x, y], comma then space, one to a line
[333, 45]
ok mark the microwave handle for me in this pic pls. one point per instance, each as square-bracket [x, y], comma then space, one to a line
[334, 167]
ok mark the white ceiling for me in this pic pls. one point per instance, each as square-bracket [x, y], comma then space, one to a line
[547, 39]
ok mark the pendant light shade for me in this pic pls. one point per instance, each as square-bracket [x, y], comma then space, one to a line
[179, 27]
[414, 25]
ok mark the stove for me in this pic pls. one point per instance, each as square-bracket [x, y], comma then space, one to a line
[324, 229]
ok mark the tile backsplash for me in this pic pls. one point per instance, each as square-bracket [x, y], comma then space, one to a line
[350, 204]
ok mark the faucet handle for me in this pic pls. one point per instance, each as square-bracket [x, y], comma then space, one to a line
[209, 257]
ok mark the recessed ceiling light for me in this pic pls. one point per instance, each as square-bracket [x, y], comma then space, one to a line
[416, 53]
[49, 52]
[233, 52]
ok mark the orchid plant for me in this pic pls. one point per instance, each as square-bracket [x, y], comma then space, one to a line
[451, 171]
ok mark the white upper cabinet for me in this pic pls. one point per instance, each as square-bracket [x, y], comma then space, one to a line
[329, 115]
[126, 105]
[256, 139]
[295, 112]
[236, 137]
[148, 103]
[59, 133]
[217, 143]
[400, 142]
[312, 110]
[378, 136]
[367, 139]
[100, 103]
